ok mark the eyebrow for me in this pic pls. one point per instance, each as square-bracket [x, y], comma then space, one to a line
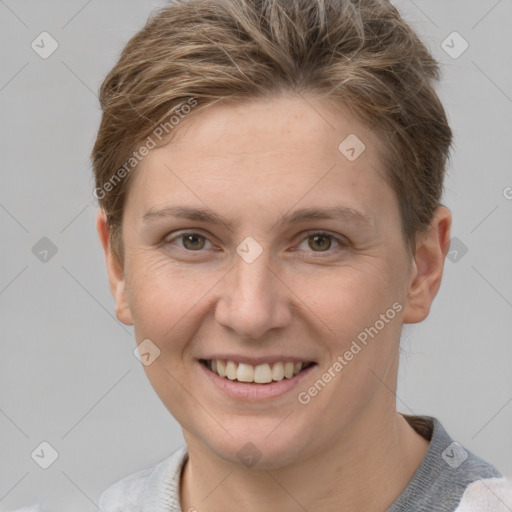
[302, 215]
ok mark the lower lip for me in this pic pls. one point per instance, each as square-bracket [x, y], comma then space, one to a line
[250, 391]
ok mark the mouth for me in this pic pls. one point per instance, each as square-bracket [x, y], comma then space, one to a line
[261, 374]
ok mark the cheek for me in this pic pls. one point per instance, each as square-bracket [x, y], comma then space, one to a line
[348, 298]
[361, 311]
[149, 295]
[165, 299]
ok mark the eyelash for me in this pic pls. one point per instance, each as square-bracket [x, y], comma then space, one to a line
[341, 243]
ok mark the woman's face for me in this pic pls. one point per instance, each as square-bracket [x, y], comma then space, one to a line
[255, 238]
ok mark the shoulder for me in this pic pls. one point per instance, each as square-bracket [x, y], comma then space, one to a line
[126, 494]
[133, 491]
[487, 495]
[449, 476]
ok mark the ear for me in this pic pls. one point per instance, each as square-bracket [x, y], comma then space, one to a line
[114, 270]
[427, 267]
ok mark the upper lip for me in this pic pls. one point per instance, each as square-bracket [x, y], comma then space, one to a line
[254, 361]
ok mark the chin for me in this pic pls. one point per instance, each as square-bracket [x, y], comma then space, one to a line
[257, 447]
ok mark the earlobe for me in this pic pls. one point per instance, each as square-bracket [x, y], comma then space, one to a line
[427, 268]
[114, 270]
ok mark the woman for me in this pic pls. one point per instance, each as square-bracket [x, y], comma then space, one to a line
[269, 175]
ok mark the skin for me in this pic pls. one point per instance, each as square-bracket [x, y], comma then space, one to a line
[253, 163]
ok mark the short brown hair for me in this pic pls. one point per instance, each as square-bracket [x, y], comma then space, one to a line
[359, 53]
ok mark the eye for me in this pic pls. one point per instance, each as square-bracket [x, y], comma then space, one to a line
[189, 241]
[319, 241]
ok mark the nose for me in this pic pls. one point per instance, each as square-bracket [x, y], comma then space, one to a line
[253, 299]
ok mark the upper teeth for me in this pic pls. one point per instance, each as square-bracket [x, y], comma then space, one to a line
[260, 374]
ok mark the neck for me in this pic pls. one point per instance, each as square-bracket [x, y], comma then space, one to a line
[378, 455]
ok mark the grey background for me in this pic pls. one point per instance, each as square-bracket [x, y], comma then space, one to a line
[68, 375]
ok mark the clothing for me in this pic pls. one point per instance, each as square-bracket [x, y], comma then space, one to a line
[449, 479]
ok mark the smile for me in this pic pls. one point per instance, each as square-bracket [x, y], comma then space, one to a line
[260, 374]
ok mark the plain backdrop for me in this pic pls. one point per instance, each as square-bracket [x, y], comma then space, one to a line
[68, 375]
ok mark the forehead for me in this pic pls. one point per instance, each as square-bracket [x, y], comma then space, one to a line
[273, 152]
[278, 125]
